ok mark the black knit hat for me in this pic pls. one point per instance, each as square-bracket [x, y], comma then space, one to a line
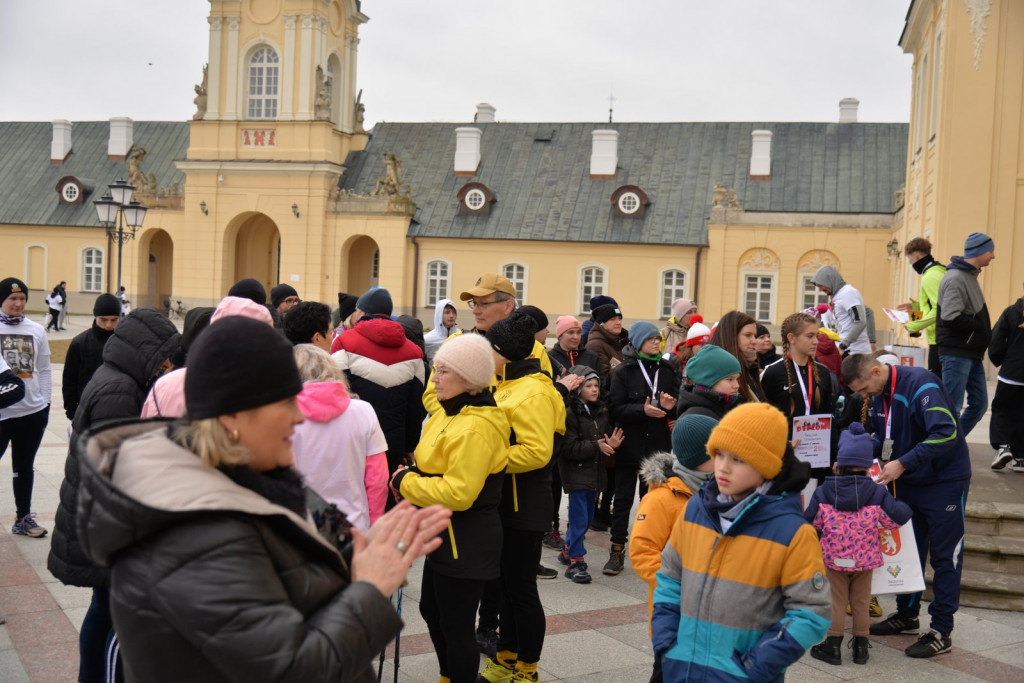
[540, 318]
[280, 293]
[513, 336]
[603, 314]
[11, 285]
[346, 305]
[250, 289]
[238, 364]
[106, 305]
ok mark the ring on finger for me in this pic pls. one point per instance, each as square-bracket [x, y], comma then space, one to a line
[401, 546]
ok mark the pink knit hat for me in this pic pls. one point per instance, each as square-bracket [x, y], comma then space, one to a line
[469, 356]
[564, 324]
[236, 305]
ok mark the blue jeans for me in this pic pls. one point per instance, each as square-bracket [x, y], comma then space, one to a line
[960, 375]
[581, 514]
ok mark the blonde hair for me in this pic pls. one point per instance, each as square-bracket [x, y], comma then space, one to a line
[316, 365]
[209, 440]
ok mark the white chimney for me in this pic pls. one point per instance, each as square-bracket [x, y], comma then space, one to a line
[60, 147]
[848, 109]
[760, 154]
[604, 154]
[120, 138]
[467, 151]
[484, 113]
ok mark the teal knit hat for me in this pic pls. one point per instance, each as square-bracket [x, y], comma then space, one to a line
[640, 332]
[711, 365]
[690, 438]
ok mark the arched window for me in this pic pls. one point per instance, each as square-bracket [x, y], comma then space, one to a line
[264, 80]
[438, 276]
[92, 270]
[673, 286]
[516, 273]
[593, 280]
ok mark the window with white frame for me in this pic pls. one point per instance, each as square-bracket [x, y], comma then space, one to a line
[811, 295]
[437, 281]
[592, 283]
[92, 270]
[264, 78]
[758, 295]
[673, 286]
[516, 273]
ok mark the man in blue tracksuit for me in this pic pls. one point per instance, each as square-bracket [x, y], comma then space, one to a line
[913, 422]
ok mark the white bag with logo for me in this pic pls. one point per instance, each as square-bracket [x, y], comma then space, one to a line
[901, 570]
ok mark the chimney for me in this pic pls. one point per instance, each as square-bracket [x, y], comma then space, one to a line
[484, 113]
[60, 147]
[760, 154]
[604, 154]
[848, 109]
[467, 151]
[120, 138]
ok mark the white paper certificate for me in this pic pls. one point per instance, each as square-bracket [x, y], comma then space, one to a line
[815, 435]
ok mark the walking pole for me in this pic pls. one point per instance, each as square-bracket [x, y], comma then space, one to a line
[398, 639]
[380, 663]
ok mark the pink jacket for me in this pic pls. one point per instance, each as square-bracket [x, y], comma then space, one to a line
[339, 450]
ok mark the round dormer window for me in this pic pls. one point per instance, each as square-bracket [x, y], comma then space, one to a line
[629, 203]
[69, 192]
[475, 199]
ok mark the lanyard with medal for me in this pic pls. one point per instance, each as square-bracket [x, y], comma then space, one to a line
[887, 407]
[808, 390]
[652, 385]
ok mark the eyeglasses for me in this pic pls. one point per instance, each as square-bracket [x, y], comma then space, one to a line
[440, 372]
[473, 303]
[292, 300]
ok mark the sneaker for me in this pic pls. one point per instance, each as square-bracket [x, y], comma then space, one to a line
[1003, 457]
[860, 646]
[523, 676]
[553, 540]
[829, 650]
[874, 609]
[616, 560]
[1018, 465]
[563, 557]
[577, 571]
[930, 644]
[26, 526]
[487, 642]
[494, 672]
[896, 625]
[546, 573]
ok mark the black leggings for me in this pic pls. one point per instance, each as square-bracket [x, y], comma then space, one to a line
[448, 606]
[24, 434]
[521, 618]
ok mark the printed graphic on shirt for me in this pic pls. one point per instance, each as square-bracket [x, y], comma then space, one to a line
[19, 353]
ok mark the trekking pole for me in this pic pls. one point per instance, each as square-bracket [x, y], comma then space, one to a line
[380, 663]
[398, 639]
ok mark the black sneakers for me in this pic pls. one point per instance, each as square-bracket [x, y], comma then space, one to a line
[545, 572]
[578, 573]
[930, 644]
[895, 625]
[1003, 457]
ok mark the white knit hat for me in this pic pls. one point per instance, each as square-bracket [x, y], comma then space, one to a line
[699, 333]
[470, 357]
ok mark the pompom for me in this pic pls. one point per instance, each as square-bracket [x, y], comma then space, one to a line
[696, 318]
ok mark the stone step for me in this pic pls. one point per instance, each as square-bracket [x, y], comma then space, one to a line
[986, 590]
[995, 519]
[1001, 554]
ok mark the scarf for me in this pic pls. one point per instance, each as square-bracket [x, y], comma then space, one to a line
[11, 319]
[281, 485]
[694, 479]
[921, 264]
[725, 506]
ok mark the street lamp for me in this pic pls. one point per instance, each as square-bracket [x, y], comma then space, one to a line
[118, 208]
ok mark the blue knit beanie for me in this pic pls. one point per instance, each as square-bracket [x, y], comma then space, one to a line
[690, 438]
[977, 243]
[375, 301]
[855, 448]
[640, 332]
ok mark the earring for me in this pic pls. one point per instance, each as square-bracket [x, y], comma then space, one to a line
[234, 435]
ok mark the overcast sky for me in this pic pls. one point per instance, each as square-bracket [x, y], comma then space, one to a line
[535, 60]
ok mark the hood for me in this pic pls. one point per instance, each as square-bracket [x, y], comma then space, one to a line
[958, 263]
[827, 276]
[136, 482]
[381, 331]
[850, 492]
[141, 342]
[438, 315]
[657, 468]
[323, 401]
[413, 329]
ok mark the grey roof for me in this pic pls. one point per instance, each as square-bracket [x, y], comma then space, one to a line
[28, 181]
[539, 174]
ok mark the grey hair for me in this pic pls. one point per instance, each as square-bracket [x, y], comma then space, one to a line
[316, 365]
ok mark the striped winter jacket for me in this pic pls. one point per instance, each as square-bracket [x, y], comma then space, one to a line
[744, 604]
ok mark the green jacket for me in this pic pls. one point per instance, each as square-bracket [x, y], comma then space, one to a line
[927, 301]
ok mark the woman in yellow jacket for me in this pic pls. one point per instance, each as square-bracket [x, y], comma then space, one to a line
[459, 463]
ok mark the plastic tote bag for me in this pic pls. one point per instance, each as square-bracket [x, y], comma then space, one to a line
[901, 570]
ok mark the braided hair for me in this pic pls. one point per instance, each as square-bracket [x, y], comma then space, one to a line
[793, 325]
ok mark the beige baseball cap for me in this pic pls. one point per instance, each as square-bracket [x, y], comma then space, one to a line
[489, 283]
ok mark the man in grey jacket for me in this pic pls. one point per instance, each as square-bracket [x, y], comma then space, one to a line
[848, 307]
[963, 330]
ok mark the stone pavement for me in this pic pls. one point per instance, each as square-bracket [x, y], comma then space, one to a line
[596, 632]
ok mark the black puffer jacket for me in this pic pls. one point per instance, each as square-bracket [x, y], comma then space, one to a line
[643, 435]
[142, 341]
[702, 401]
[580, 461]
[212, 581]
[84, 357]
[1006, 349]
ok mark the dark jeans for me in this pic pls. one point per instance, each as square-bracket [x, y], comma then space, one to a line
[97, 643]
[448, 606]
[1005, 425]
[965, 375]
[54, 319]
[556, 494]
[934, 364]
[522, 620]
[24, 434]
[625, 493]
[939, 530]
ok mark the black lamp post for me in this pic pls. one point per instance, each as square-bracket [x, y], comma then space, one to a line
[118, 208]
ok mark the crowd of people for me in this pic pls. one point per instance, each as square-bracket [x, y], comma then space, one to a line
[244, 497]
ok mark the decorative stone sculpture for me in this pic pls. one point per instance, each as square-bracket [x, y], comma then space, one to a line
[719, 195]
[390, 184]
[733, 202]
[322, 106]
[360, 113]
[201, 96]
[136, 177]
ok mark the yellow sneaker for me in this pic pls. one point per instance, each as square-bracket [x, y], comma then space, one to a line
[874, 609]
[495, 673]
